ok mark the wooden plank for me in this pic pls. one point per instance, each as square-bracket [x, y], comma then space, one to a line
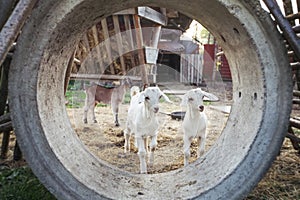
[5, 143]
[12, 27]
[295, 123]
[98, 52]
[296, 101]
[4, 69]
[295, 65]
[296, 93]
[119, 42]
[107, 44]
[130, 39]
[130, 11]
[296, 28]
[293, 16]
[85, 60]
[96, 77]
[139, 41]
[285, 26]
[152, 15]
[5, 118]
[7, 126]
[68, 71]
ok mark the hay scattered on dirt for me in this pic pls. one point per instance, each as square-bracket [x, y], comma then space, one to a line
[102, 139]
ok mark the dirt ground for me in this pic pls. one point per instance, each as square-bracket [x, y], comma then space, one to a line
[103, 138]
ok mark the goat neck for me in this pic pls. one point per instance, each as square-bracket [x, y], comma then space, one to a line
[147, 110]
[192, 113]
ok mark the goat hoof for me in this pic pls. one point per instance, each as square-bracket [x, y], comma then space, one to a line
[85, 121]
[95, 121]
[117, 124]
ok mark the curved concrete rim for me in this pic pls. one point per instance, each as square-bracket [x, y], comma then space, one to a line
[249, 143]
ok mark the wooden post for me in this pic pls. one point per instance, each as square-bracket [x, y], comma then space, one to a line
[4, 84]
[17, 152]
[293, 138]
[3, 101]
[86, 60]
[98, 52]
[5, 144]
[139, 41]
[69, 70]
[119, 42]
[107, 44]
[130, 39]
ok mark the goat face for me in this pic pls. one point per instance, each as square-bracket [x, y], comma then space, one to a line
[151, 96]
[194, 98]
[127, 82]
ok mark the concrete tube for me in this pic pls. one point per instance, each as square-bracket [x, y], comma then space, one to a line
[229, 170]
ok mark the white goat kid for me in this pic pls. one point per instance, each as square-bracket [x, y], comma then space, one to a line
[195, 121]
[143, 123]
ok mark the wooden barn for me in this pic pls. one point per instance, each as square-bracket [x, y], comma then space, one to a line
[144, 43]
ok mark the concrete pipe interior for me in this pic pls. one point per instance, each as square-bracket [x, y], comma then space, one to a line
[240, 157]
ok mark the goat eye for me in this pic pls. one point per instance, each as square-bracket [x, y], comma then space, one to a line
[147, 98]
[191, 99]
[160, 96]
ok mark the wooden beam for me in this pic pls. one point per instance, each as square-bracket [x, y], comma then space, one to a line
[10, 31]
[130, 39]
[130, 11]
[97, 77]
[296, 28]
[296, 101]
[5, 144]
[86, 61]
[7, 126]
[296, 93]
[4, 69]
[293, 138]
[293, 16]
[107, 44]
[285, 26]
[119, 42]
[77, 61]
[295, 65]
[295, 123]
[69, 70]
[152, 15]
[98, 52]
[139, 46]
[5, 118]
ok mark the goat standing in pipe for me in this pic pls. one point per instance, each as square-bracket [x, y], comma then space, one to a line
[143, 123]
[97, 93]
[195, 121]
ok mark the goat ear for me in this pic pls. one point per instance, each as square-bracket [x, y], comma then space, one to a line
[166, 98]
[184, 100]
[211, 97]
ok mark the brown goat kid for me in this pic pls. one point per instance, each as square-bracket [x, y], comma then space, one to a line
[97, 93]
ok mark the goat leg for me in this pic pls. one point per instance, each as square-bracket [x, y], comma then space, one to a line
[116, 120]
[127, 141]
[115, 110]
[153, 145]
[201, 146]
[186, 149]
[85, 114]
[142, 155]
